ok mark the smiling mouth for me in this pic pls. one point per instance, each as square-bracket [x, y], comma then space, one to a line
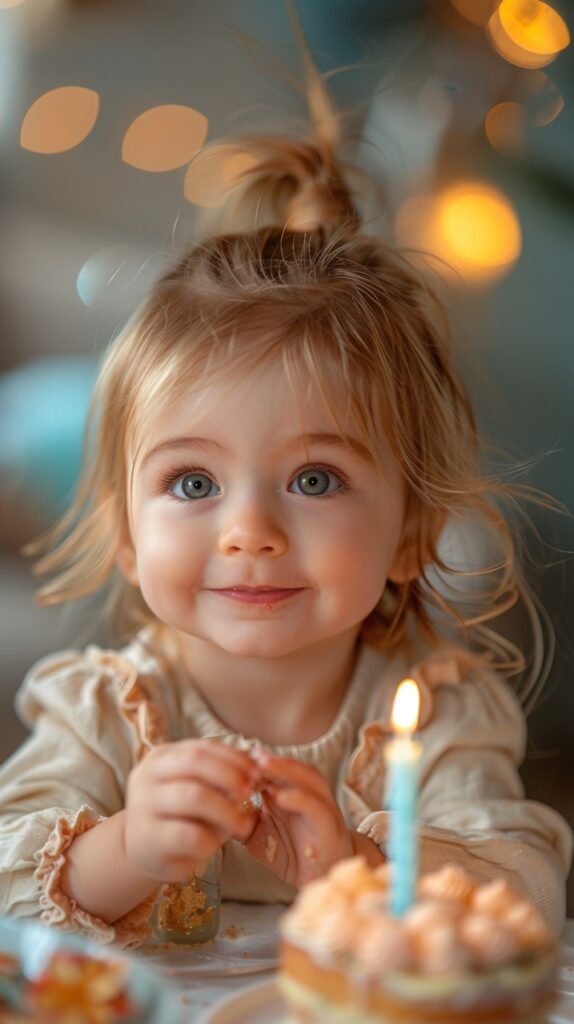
[257, 595]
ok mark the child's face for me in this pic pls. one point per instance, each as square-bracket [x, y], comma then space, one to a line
[252, 531]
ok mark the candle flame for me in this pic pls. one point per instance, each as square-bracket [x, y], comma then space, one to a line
[405, 713]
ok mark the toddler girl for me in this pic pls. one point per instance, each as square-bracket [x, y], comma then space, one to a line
[278, 439]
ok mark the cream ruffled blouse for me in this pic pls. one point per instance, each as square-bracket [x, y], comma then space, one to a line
[94, 715]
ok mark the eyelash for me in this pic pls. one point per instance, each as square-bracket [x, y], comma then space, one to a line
[170, 477]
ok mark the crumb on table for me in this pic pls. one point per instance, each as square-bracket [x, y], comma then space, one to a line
[233, 932]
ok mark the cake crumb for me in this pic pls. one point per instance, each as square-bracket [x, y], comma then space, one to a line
[309, 852]
[184, 908]
[270, 849]
[233, 932]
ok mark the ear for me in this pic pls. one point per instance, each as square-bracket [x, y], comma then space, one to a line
[126, 562]
[126, 559]
[412, 555]
[406, 564]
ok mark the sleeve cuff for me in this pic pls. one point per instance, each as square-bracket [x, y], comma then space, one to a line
[61, 911]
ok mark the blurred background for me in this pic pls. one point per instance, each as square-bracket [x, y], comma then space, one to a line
[462, 110]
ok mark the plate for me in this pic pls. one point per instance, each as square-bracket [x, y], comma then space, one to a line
[41, 966]
[246, 944]
[263, 1004]
[259, 1004]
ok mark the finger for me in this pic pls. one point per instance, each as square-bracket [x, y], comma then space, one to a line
[188, 841]
[236, 776]
[295, 773]
[195, 801]
[298, 801]
[213, 747]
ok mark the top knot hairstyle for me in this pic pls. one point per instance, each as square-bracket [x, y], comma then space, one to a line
[305, 285]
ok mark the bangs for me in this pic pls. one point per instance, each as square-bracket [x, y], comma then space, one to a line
[312, 358]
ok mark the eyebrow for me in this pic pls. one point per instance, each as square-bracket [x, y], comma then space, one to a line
[342, 442]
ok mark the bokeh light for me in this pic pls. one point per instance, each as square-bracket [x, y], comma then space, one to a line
[117, 277]
[43, 408]
[534, 25]
[545, 101]
[214, 172]
[505, 127]
[471, 226]
[527, 33]
[59, 119]
[164, 138]
[480, 225]
[476, 11]
[507, 124]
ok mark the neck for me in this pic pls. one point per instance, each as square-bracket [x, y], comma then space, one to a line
[282, 701]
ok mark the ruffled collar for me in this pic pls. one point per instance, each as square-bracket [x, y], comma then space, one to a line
[199, 717]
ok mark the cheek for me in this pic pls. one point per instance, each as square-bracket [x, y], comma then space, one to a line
[355, 558]
[168, 555]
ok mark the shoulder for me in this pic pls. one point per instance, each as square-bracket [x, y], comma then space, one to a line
[460, 695]
[467, 703]
[129, 685]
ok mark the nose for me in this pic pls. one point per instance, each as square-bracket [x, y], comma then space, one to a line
[252, 527]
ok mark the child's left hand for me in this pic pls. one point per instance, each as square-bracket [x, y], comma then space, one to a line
[299, 831]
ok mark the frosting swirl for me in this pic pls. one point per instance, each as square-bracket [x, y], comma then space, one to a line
[455, 925]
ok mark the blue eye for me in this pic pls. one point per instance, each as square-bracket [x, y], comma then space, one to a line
[318, 482]
[193, 486]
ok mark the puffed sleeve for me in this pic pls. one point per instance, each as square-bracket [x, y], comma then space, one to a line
[88, 714]
[472, 805]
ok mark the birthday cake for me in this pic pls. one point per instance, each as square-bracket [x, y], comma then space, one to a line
[461, 953]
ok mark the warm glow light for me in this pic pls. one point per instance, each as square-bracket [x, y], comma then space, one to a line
[527, 33]
[505, 127]
[60, 119]
[234, 167]
[214, 172]
[10, 3]
[471, 227]
[506, 124]
[406, 705]
[476, 11]
[480, 226]
[164, 138]
[533, 25]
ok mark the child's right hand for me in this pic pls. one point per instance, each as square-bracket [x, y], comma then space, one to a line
[183, 801]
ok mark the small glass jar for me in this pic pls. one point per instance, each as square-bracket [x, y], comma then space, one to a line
[188, 912]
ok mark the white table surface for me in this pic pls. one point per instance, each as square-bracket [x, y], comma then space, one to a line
[244, 954]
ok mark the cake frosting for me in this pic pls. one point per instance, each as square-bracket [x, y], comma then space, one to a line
[461, 946]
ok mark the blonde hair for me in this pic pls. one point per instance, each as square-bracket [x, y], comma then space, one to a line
[310, 287]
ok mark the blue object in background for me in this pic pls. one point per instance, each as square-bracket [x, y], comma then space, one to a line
[43, 409]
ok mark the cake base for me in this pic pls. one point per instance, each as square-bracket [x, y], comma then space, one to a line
[317, 993]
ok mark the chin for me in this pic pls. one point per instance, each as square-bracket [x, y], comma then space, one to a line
[258, 646]
[253, 649]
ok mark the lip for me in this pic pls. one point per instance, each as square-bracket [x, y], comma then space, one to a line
[257, 595]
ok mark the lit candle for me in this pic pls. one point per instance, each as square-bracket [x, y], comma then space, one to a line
[403, 758]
